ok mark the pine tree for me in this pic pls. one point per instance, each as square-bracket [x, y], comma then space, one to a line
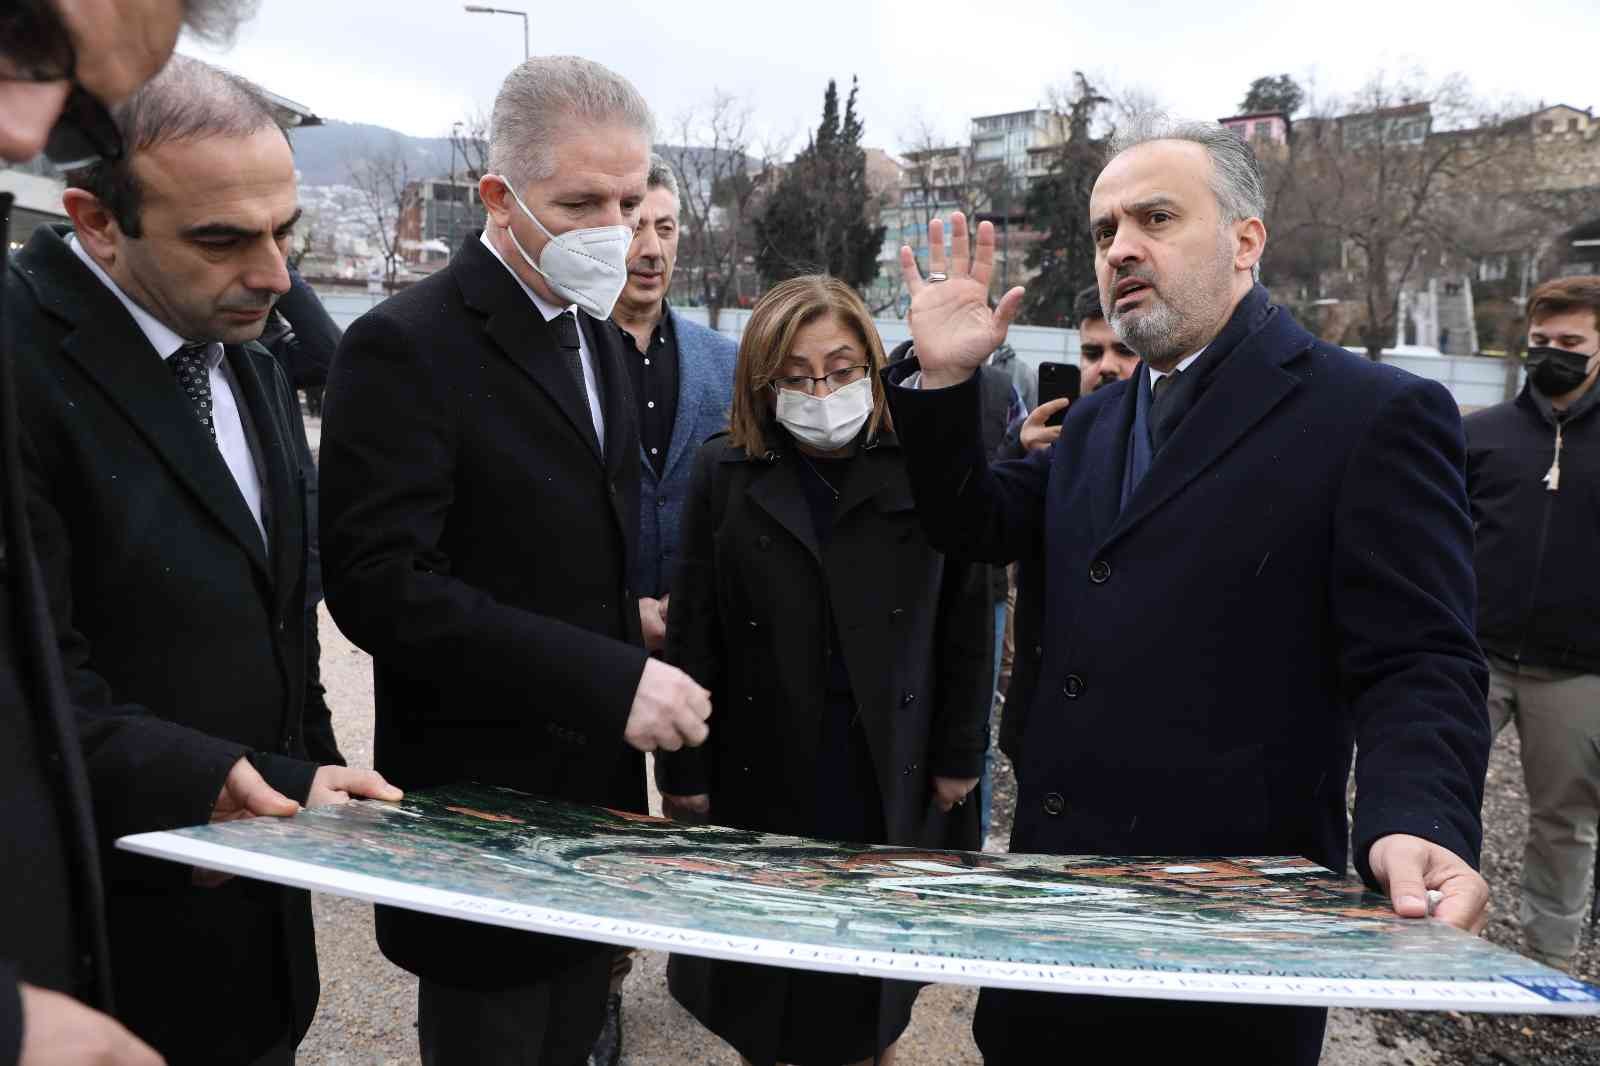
[1280, 93]
[816, 220]
[1058, 204]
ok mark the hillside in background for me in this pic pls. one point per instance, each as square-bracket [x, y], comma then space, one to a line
[323, 154]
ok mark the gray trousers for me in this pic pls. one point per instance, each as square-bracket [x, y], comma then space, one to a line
[551, 1023]
[1557, 714]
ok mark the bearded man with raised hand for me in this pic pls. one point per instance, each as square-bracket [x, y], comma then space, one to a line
[1256, 552]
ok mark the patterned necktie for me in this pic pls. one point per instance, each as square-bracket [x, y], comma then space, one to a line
[566, 327]
[191, 366]
[1160, 391]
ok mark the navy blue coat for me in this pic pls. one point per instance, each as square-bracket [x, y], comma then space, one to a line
[705, 391]
[1293, 575]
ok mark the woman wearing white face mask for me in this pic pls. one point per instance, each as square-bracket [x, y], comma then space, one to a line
[849, 662]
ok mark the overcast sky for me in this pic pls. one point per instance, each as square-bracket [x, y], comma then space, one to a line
[419, 65]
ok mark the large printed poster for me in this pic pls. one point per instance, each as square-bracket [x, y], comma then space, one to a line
[1248, 930]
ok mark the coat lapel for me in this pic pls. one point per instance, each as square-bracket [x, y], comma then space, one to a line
[109, 347]
[693, 373]
[1245, 390]
[520, 331]
[871, 481]
[1108, 449]
[776, 490]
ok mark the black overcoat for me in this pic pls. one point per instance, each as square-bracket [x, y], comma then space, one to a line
[477, 544]
[1293, 575]
[749, 619]
[166, 599]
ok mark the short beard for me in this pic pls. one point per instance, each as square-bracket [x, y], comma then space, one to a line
[1155, 334]
[1165, 332]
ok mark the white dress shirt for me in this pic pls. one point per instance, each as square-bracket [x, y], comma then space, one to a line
[1183, 364]
[591, 384]
[232, 441]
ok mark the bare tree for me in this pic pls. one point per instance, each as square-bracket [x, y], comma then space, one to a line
[469, 139]
[1378, 178]
[722, 176]
[381, 178]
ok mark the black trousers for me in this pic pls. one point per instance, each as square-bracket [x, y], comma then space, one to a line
[551, 1023]
[1044, 1028]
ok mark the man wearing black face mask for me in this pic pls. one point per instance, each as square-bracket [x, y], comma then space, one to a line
[1533, 473]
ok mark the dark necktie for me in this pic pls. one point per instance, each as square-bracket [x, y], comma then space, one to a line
[566, 327]
[1160, 409]
[192, 369]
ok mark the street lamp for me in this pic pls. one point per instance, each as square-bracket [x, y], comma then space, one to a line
[455, 133]
[479, 9]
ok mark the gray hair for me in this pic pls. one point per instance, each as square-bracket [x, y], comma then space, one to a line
[1235, 173]
[661, 176]
[217, 21]
[188, 100]
[543, 94]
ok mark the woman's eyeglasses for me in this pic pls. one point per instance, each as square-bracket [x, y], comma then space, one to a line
[836, 379]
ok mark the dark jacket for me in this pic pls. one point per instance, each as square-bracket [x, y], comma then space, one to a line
[1538, 582]
[1293, 574]
[705, 389]
[302, 335]
[753, 607]
[166, 599]
[477, 545]
[52, 927]
[749, 621]
[995, 392]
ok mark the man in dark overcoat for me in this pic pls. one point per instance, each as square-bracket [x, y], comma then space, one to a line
[480, 517]
[1256, 552]
[166, 499]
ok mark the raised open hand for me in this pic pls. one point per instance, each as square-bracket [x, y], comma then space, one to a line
[952, 326]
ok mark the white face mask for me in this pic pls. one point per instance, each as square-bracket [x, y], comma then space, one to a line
[588, 267]
[829, 422]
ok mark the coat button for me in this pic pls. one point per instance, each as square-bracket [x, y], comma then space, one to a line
[1073, 687]
[1054, 804]
[896, 614]
[1038, 651]
[765, 542]
[1100, 572]
[754, 624]
[907, 698]
[661, 501]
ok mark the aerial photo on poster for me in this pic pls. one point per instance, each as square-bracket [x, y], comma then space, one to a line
[1254, 930]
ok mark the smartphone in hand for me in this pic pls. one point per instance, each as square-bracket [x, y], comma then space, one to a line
[1055, 381]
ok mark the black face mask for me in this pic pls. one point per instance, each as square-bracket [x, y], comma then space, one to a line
[1556, 371]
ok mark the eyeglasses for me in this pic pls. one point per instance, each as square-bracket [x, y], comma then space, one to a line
[36, 47]
[836, 379]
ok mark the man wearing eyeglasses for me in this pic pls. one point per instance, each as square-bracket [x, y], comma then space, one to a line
[61, 66]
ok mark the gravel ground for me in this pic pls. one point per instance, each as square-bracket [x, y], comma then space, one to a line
[1489, 1039]
[366, 1013]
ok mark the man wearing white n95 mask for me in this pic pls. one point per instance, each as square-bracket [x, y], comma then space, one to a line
[480, 512]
